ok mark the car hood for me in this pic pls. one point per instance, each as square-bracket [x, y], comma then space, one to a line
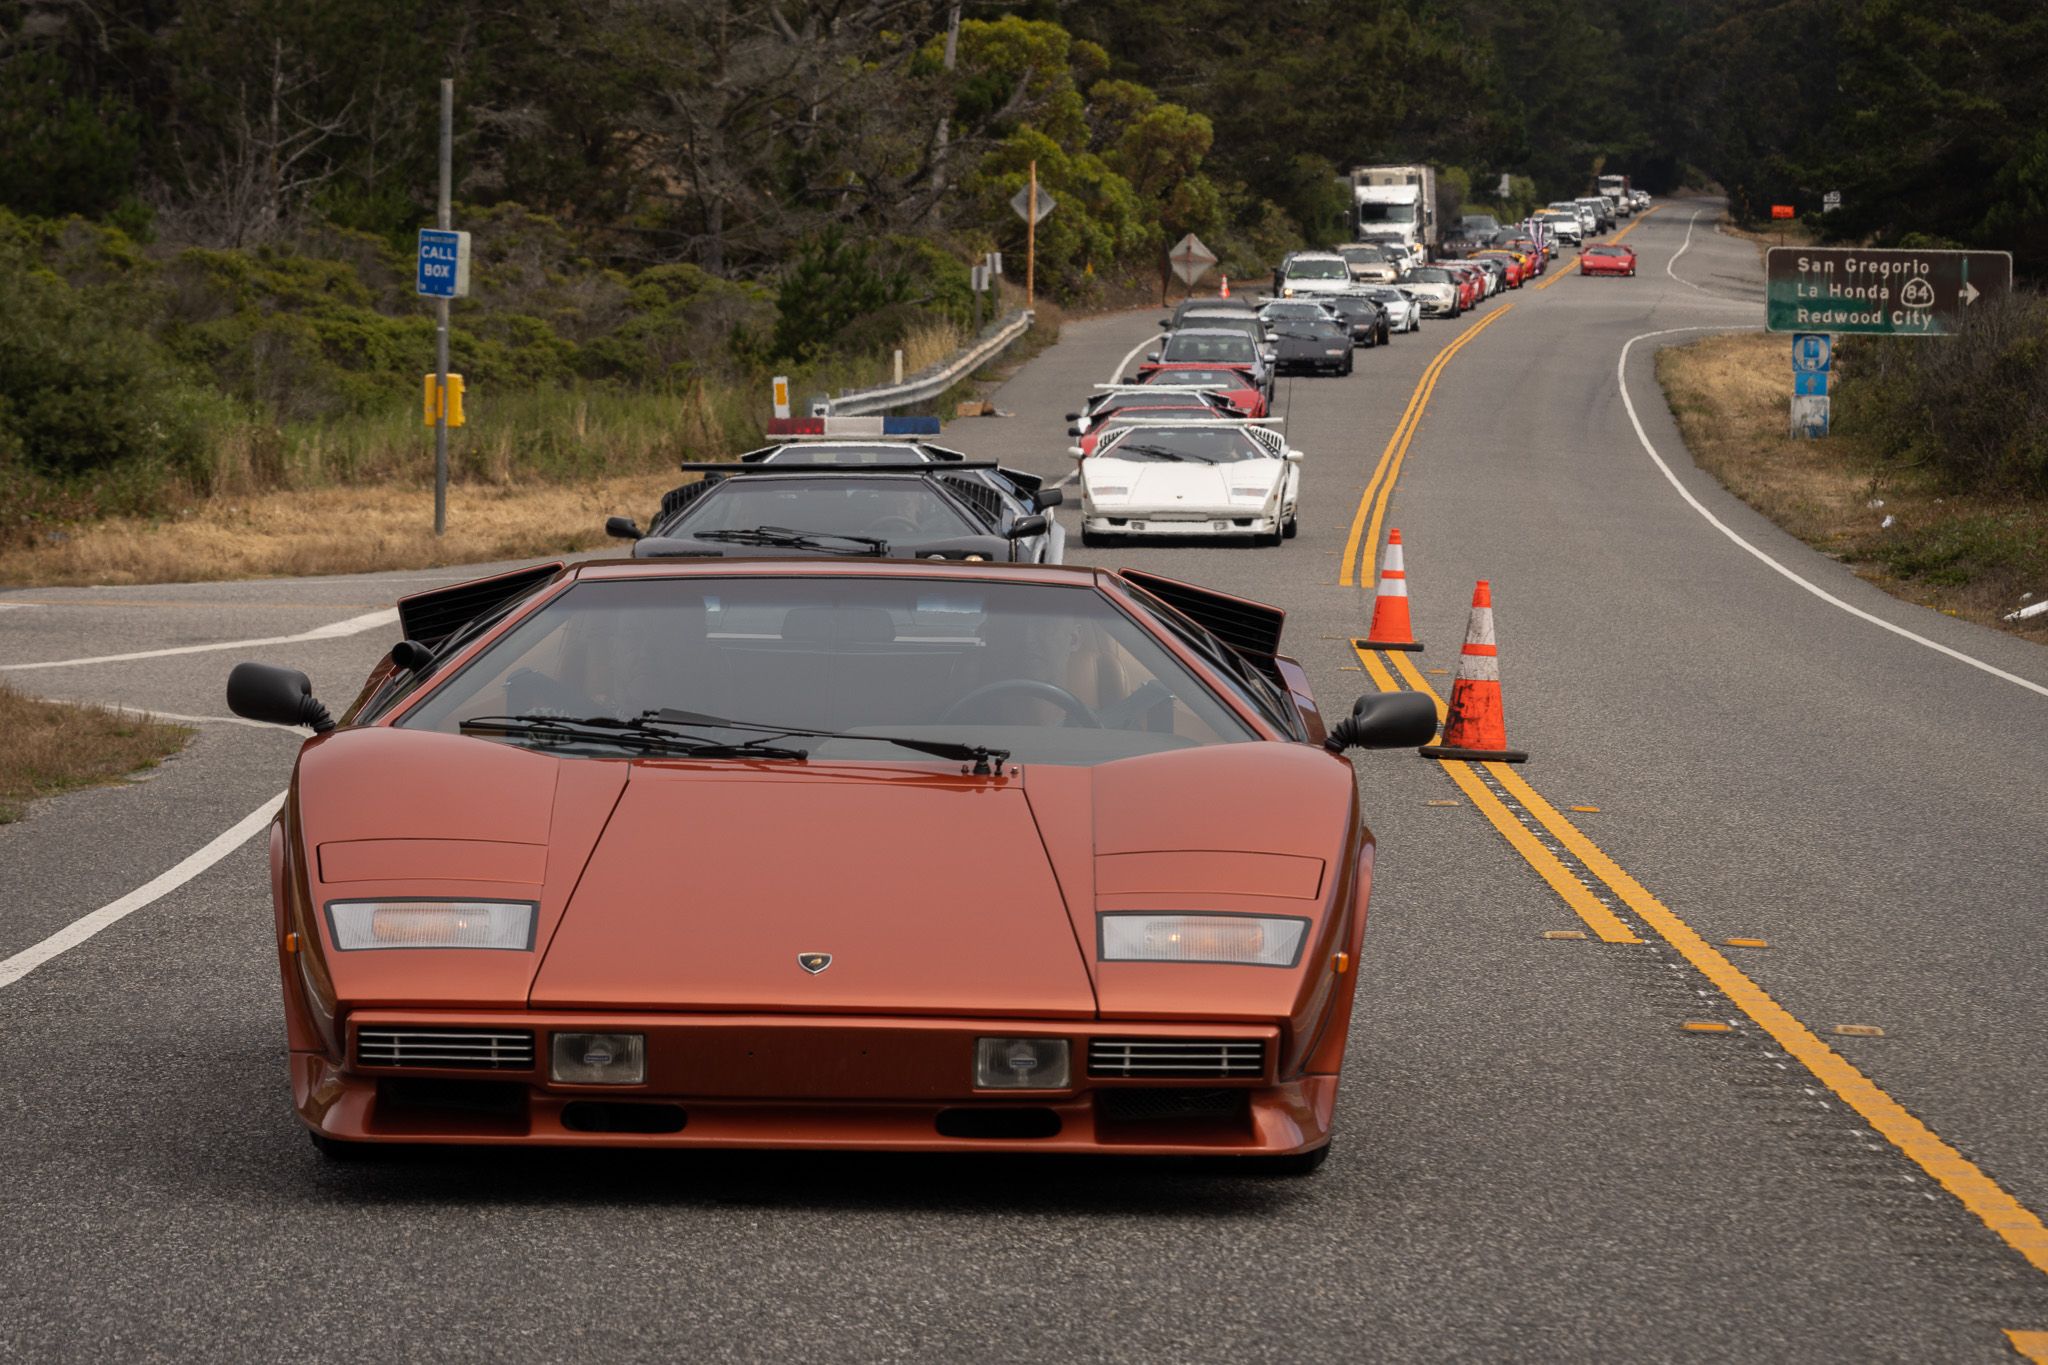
[695, 886]
[931, 894]
[1166, 485]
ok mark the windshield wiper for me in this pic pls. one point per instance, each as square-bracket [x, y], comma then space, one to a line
[626, 734]
[783, 535]
[987, 761]
[1161, 451]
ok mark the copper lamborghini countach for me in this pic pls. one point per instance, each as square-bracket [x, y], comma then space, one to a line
[825, 854]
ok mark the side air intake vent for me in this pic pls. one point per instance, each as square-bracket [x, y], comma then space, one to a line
[1176, 1058]
[456, 1049]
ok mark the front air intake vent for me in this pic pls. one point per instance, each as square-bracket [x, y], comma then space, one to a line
[1176, 1058]
[447, 1049]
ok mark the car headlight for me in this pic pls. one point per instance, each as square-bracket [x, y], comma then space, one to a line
[598, 1058]
[1260, 493]
[1108, 491]
[1252, 940]
[432, 924]
[1021, 1063]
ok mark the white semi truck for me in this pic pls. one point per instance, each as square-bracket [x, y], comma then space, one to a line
[1396, 206]
[1615, 187]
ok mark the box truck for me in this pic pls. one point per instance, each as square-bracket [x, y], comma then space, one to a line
[1396, 206]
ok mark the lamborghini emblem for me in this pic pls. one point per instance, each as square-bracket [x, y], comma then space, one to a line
[814, 962]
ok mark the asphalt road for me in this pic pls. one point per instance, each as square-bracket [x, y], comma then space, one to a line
[1535, 1161]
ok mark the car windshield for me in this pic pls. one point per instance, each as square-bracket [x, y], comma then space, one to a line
[1606, 250]
[1386, 213]
[1293, 310]
[1050, 674]
[1388, 296]
[903, 508]
[1114, 402]
[1338, 269]
[1362, 255]
[1189, 445]
[1231, 379]
[835, 453]
[1195, 346]
[1430, 275]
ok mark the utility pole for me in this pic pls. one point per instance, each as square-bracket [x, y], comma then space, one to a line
[946, 119]
[442, 220]
[1031, 243]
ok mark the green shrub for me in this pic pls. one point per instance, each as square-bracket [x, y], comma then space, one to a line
[1973, 407]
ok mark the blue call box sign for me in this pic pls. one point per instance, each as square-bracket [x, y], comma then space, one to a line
[1813, 352]
[443, 264]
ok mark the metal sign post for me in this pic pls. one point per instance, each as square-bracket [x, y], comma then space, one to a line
[1030, 205]
[458, 279]
[1878, 291]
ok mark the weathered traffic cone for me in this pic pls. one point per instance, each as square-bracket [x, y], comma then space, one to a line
[1476, 728]
[1226, 288]
[1390, 628]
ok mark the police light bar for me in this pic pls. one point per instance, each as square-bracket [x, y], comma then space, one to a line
[853, 426]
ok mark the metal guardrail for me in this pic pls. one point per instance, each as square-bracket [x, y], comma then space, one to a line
[933, 380]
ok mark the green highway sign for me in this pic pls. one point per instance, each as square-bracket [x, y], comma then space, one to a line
[1877, 290]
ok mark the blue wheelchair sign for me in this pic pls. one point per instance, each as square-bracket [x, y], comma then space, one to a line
[1813, 352]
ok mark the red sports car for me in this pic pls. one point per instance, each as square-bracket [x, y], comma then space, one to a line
[1471, 288]
[1236, 387]
[1608, 258]
[851, 853]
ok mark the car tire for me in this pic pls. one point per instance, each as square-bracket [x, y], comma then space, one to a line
[1383, 333]
[1347, 366]
[1290, 528]
[1293, 1165]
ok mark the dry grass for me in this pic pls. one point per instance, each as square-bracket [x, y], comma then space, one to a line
[50, 747]
[1973, 556]
[338, 530]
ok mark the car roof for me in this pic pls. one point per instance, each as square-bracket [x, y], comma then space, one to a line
[1067, 575]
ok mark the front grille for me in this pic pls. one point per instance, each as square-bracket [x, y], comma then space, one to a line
[456, 1049]
[1154, 1103]
[1146, 1058]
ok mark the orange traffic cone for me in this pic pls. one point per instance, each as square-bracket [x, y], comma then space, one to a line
[1476, 729]
[1390, 628]
[1226, 288]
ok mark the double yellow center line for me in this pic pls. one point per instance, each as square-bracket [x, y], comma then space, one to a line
[2018, 1226]
[1372, 504]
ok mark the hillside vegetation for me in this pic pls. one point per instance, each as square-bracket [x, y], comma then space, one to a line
[207, 206]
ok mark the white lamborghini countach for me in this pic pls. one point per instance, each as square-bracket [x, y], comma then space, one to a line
[1191, 478]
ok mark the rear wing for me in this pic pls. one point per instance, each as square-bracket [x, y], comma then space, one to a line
[1251, 629]
[431, 617]
[778, 471]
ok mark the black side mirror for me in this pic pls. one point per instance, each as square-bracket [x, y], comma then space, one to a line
[1385, 720]
[622, 528]
[279, 696]
[411, 656]
[1073, 417]
[1024, 527]
[1073, 431]
[1047, 497]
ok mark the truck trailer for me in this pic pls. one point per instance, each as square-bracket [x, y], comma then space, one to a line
[1616, 187]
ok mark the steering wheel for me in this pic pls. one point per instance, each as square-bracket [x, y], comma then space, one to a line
[1076, 710]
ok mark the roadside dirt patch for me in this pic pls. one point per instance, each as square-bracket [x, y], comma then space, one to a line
[51, 747]
[1969, 555]
[338, 530]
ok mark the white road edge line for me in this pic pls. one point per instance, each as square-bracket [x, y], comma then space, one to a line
[334, 630]
[1621, 378]
[1701, 290]
[79, 930]
[1116, 376]
[123, 708]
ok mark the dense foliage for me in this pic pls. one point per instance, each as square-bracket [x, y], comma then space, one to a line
[210, 202]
